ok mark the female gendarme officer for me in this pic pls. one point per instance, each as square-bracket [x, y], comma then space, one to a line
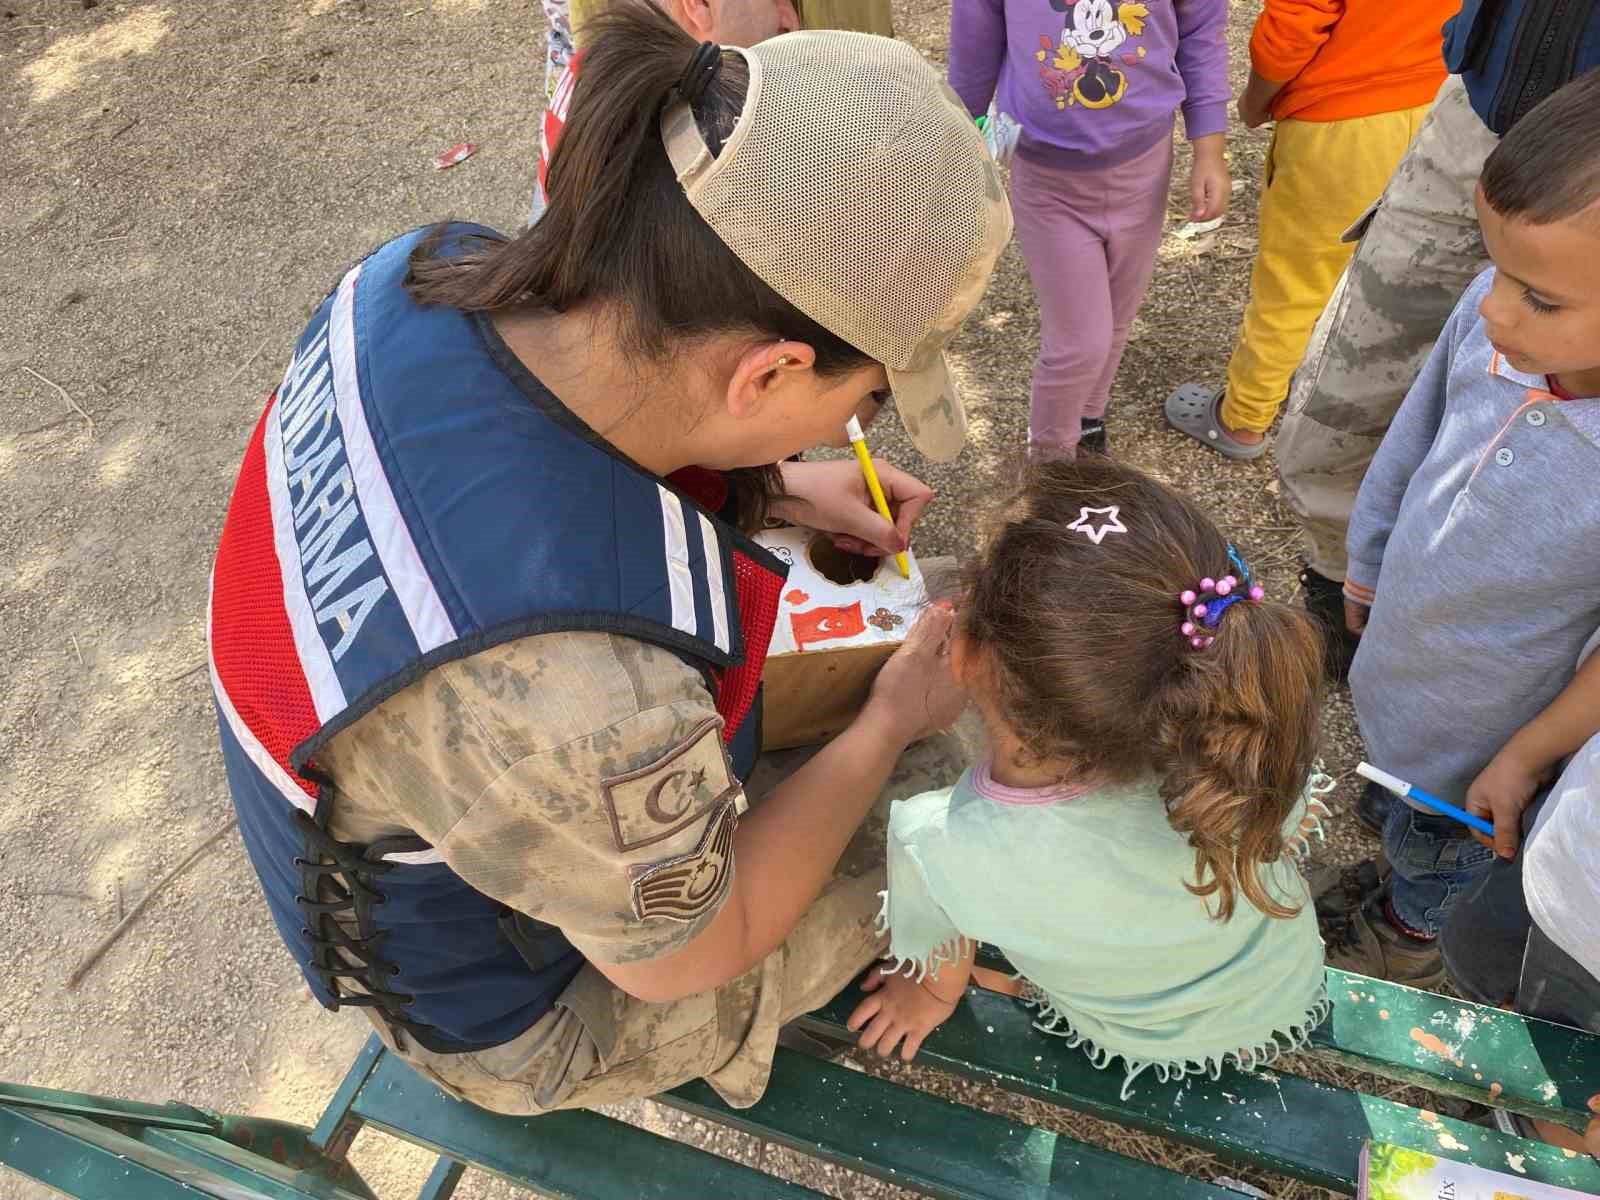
[486, 638]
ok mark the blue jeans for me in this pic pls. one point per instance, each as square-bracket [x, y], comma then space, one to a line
[1434, 862]
[1495, 953]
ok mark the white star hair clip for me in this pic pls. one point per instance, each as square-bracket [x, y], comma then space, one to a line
[1096, 531]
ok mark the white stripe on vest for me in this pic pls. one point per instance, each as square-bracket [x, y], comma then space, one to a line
[391, 537]
[680, 579]
[327, 693]
[719, 597]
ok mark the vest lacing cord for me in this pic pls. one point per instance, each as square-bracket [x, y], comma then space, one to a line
[349, 878]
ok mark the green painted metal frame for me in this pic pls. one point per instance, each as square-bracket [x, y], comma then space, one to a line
[930, 1145]
[569, 1155]
[1268, 1119]
[38, 1147]
[166, 1116]
[131, 1161]
[1461, 1049]
[442, 1180]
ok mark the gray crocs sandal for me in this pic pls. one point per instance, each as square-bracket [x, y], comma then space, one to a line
[1192, 409]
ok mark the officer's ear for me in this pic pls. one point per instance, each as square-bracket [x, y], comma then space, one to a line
[697, 17]
[767, 372]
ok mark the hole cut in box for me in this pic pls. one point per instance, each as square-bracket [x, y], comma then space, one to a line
[840, 566]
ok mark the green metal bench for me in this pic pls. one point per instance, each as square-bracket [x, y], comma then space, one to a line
[1271, 1119]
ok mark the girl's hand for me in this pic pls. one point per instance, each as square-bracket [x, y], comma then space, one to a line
[1210, 188]
[897, 1010]
[833, 497]
[1501, 793]
[915, 695]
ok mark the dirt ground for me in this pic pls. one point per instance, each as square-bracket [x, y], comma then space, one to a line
[182, 182]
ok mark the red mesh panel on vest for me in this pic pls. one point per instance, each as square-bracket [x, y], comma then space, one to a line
[758, 590]
[252, 643]
[707, 488]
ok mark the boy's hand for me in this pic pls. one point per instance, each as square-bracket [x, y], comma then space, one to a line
[1355, 616]
[1255, 102]
[1210, 188]
[1501, 792]
[897, 1008]
[1252, 113]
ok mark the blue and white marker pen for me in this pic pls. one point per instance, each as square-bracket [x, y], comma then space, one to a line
[1409, 791]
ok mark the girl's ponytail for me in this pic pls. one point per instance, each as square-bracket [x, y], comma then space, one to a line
[1236, 732]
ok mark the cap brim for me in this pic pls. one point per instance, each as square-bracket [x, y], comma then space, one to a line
[930, 408]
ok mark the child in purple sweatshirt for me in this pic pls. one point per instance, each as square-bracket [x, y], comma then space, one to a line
[1094, 86]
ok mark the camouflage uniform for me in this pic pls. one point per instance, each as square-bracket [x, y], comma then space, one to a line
[553, 774]
[1420, 248]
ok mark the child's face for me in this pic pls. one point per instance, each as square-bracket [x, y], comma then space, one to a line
[1543, 312]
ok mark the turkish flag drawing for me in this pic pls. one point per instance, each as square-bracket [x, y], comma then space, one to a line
[825, 624]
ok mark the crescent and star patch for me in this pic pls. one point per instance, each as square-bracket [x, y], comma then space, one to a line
[692, 783]
[662, 798]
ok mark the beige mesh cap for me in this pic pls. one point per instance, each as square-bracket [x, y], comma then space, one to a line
[857, 187]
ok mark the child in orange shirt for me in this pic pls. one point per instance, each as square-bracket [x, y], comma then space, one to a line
[1348, 83]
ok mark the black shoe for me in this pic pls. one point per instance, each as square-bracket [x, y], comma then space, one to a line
[1092, 439]
[1324, 600]
[1372, 808]
[1338, 891]
[816, 1045]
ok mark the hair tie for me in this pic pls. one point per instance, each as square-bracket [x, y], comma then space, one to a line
[1203, 606]
[702, 69]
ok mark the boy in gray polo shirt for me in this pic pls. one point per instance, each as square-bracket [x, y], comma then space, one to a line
[1474, 547]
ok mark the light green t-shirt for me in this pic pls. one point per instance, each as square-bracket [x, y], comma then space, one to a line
[1085, 894]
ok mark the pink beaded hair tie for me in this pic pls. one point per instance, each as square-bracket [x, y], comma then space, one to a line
[1203, 607]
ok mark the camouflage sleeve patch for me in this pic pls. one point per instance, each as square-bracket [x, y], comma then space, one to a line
[686, 887]
[651, 804]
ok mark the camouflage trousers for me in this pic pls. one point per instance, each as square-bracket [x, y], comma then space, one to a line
[1420, 248]
[599, 1045]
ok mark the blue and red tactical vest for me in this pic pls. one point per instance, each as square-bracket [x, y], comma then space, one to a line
[412, 495]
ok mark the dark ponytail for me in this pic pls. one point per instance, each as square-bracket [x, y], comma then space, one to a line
[619, 231]
[1092, 670]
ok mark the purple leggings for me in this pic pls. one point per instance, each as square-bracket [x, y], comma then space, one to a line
[1089, 237]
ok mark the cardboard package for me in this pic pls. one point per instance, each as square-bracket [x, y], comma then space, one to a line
[840, 618]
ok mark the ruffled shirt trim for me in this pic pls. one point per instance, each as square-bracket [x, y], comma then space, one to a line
[1058, 1022]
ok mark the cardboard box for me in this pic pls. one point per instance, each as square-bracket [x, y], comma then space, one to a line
[840, 618]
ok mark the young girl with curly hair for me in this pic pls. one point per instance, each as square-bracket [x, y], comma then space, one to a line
[1129, 842]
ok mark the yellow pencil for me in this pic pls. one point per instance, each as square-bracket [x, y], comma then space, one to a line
[858, 440]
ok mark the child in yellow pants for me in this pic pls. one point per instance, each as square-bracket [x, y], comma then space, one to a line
[1348, 83]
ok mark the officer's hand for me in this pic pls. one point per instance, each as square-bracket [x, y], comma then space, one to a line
[833, 497]
[915, 696]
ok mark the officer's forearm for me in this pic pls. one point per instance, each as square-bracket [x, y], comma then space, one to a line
[789, 845]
